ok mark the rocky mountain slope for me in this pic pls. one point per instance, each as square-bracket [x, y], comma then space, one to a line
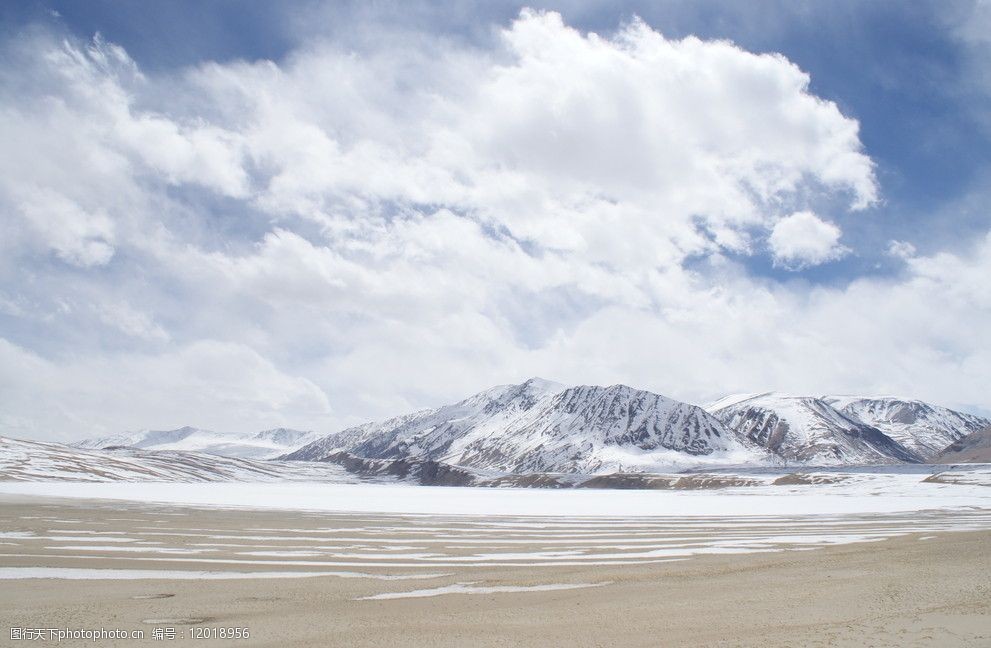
[266, 444]
[807, 429]
[973, 448]
[540, 426]
[921, 427]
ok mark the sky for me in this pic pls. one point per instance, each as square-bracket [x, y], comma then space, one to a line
[241, 216]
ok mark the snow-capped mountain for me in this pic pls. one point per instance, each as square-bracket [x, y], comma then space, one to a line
[540, 426]
[36, 461]
[266, 444]
[923, 428]
[544, 427]
[807, 429]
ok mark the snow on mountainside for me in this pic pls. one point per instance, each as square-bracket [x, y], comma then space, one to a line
[923, 428]
[540, 426]
[266, 444]
[37, 461]
[807, 429]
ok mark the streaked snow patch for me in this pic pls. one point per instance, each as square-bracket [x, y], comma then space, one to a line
[471, 588]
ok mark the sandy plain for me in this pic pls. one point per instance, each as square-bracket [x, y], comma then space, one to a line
[903, 580]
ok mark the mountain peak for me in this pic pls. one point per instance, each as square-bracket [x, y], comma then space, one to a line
[542, 426]
[542, 384]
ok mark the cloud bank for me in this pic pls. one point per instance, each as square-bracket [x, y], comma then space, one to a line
[344, 235]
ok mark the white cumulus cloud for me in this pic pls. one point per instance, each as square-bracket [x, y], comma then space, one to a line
[803, 239]
[342, 235]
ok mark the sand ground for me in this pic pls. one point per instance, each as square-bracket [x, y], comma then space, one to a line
[918, 589]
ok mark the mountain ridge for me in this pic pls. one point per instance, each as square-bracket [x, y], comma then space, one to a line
[807, 429]
[541, 426]
[923, 428]
[266, 444]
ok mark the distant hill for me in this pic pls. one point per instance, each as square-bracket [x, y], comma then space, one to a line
[37, 461]
[807, 429]
[266, 444]
[921, 427]
[973, 448]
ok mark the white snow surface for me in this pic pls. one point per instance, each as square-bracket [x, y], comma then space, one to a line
[394, 530]
[474, 588]
[859, 493]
